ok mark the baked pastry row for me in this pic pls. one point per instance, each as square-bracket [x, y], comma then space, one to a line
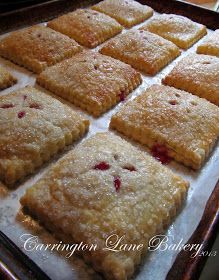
[171, 122]
[38, 47]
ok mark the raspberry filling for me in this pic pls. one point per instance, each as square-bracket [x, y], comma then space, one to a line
[117, 183]
[21, 114]
[130, 168]
[6, 106]
[122, 96]
[160, 152]
[24, 97]
[35, 106]
[173, 102]
[102, 166]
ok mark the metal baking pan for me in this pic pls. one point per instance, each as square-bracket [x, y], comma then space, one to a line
[198, 221]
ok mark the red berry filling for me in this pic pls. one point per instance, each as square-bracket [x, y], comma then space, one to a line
[173, 102]
[130, 168]
[35, 106]
[160, 152]
[24, 97]
[102, 166]
[117, 183]
[6, 106]
[122, 96]
[21, 114]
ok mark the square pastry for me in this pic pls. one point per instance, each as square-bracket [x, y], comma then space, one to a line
[143, 50]
[180, 30]
[89, 28]
[111, 190]
[6, 79]
[198, 74]
[37, 47]
[33, 127]
[210, 45]
[90, 80]
[173, 123]
[126, 12]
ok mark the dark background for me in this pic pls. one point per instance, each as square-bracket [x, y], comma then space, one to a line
[7, 6]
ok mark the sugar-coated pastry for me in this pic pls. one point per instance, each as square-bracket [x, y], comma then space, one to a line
[210, 45]
[6, 78]
[37, 47]
[103, 190]
[197, 74]
[126, 12]
[180, 30]
[89, 28]
[93, 81]
[173, 123]
[33, 127]
[143, 50]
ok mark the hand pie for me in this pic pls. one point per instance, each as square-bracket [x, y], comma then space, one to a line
[198, 74]
[6, 79]
[37, 47]
[174, 122]
[108, 188]
[92, 81]
[126, 12]
[33, 127]
[89, 28]
[178, 29]
[210, 45]
[143, 50]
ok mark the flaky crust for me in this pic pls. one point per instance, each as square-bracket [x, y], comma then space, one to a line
[37, 47]
[89, 28]
[90, 80]
[143, 50]
[74, 192]
[126, 12]
[6, 79]
[180, 30]
[210, 45]
[186, 125]
[198, 74]
[33, 127]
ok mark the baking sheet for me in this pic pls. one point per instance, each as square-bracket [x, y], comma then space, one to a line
[156, 264]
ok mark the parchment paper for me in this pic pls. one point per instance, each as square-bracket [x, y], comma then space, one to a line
[157, 263]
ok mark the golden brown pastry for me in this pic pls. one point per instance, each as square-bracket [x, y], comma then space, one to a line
[89, 28]
[143, 50]
[103, 188]
[198, 74]
[173, 123]
[210, 45]
[178, 29]
[37, 47]
[33, 127]
[6, 78]
[126, 12]
[90, 80]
